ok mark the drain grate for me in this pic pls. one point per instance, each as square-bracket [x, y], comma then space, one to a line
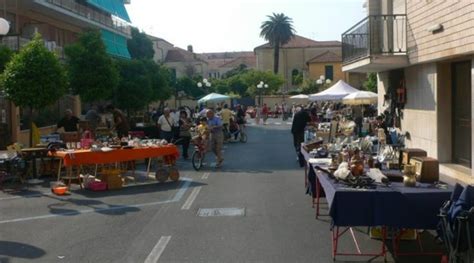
[207, 212]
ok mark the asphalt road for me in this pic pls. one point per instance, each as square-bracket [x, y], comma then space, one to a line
[160, 222]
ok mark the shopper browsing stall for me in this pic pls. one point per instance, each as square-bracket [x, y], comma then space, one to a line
[69, 122]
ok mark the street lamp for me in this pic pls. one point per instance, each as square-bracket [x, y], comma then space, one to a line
[322, 80]
[4, 26]
[260, 86]
[204, 83]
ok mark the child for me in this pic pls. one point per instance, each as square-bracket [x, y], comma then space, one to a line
[203, 132]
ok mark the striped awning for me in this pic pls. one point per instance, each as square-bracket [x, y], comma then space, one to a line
[115, 44]
[115, 7]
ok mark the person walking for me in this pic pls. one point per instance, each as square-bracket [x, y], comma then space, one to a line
[165, 125]
[258, 114]
[265, 112]
[120, 121]
[216, 139]
[185, 124]
[300, 121]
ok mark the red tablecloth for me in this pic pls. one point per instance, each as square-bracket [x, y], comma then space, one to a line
[83, 157]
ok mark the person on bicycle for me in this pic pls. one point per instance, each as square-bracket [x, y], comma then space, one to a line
[226, 115]
[202, 130]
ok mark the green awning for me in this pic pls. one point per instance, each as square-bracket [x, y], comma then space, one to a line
[115, 7]
[116, 45]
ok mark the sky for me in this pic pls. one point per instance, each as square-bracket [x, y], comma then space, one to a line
[234, 25]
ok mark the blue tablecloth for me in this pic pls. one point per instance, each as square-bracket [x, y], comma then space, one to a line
[394, 206]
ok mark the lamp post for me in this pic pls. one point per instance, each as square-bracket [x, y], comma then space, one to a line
[4, 26]
[260, 86]
[322, 80]
[204, 83]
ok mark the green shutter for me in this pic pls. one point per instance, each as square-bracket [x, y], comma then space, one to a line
[114, 7]
[116, 45]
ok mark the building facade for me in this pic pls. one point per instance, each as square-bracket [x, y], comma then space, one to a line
[298, 55]
[60, 22]
[425, 50]
[222, 62]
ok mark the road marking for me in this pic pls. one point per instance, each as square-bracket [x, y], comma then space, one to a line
[277, 123]
[205, 176]
[156, 252]
[206, 212]
[177, 197]
[191, 198]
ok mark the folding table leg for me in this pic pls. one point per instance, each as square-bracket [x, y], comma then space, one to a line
[318, 196]
[148, 167]
[59, 168]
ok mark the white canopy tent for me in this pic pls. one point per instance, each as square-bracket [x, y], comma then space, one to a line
[213, 97]
[360, 98]
[300, 96]
[336, 92]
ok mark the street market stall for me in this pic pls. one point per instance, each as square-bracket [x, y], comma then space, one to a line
[213, 97]
[335, 93]
[104, 156]
[359, 200]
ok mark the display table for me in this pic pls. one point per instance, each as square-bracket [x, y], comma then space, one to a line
[87, 157]
[394, 206]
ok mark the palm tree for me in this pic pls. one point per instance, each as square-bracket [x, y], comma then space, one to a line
[277, 30]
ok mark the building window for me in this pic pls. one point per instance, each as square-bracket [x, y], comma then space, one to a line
[294, 76]
[329, 72]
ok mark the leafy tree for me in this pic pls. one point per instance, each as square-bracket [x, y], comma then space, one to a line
[253, 77]
[237, 84]
[5, 56]
[189, 86]
[160, 81]
[371, 83]
[34, 78]
[309, 86]
[242, 68]
[91, 71]
[278, 31]
[134, 91]
[140, 46]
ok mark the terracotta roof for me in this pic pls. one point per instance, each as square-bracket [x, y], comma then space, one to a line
[300, 42]
[249, 61]
[327, 56]
[181, 55]
[153, 38]
[226, 55]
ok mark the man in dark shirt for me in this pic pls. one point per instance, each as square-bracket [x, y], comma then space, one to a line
[69, 122]
[300, 121]
[120, 121]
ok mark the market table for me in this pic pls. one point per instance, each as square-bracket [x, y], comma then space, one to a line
[394, 206]
[88, 157]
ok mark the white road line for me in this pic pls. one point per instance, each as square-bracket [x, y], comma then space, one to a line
[277, 123]
[191, 198]
[205, 176]
[156, 252]
[176, 198]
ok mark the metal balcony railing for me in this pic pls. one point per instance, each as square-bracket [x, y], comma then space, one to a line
[375, 35]
[93, 15]
[16, 42]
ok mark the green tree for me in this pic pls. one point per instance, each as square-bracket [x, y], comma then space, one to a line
[309, 86]
[6, 55]
[160, 81]
[34, 78]
[140, 46]
[91, 71]
[277, 30]
[253, 77]
[371, 83]
[134, 91]
[242, 68]
[189, 86]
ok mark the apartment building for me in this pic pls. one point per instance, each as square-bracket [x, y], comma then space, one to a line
[423, 54]
[60, 22]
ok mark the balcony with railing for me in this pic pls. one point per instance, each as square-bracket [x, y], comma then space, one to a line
[377, 43]
[16, 42]
[91, 14]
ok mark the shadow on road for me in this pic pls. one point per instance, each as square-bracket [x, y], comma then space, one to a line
[19, 250]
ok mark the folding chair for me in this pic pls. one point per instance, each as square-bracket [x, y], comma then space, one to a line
[456, 227]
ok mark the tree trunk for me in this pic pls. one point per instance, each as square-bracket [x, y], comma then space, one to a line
[276, 58]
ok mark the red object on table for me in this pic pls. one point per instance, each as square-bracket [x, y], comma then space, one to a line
[87, 157]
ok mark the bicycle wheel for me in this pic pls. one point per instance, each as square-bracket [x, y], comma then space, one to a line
[197, 160]
[243, 137]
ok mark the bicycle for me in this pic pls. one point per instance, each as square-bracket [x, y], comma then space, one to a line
[199, 153]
